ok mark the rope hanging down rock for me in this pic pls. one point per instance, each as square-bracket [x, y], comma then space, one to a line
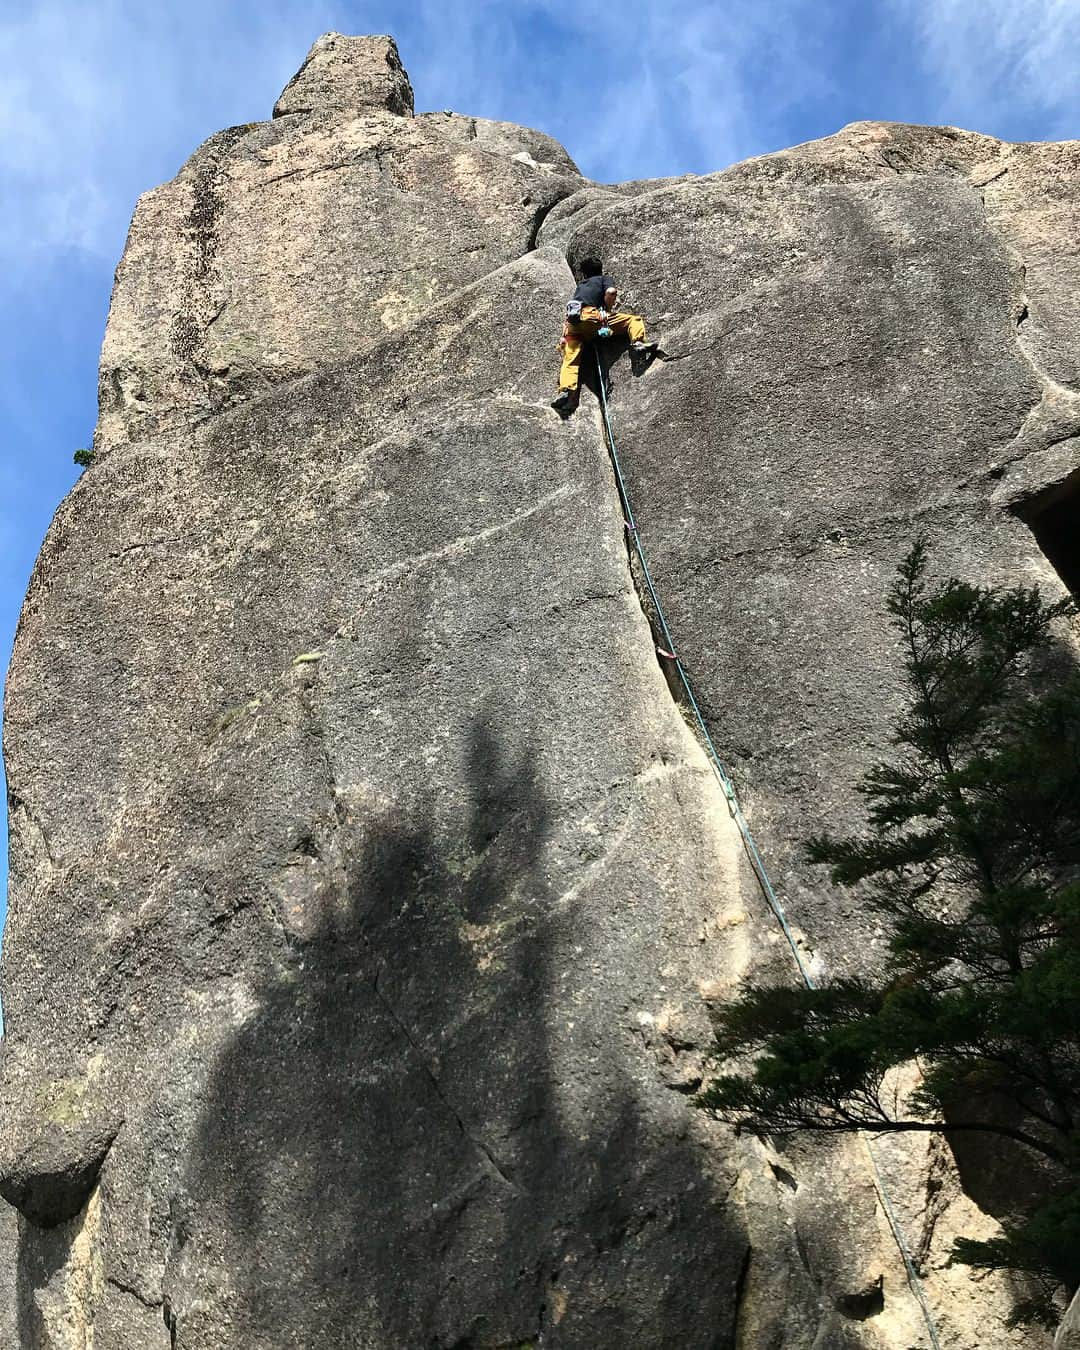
[670, 653]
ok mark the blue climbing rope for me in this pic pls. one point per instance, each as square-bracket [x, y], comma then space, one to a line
[669, 653]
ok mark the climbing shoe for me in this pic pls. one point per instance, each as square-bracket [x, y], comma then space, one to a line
[564, 402]
[641, 353]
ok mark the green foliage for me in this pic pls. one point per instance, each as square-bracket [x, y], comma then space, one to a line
[84, 458]
[1045, 1244]
[972, 857]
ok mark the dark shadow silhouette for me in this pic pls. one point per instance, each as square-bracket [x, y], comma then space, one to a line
[42, 1256]
[428, 1134]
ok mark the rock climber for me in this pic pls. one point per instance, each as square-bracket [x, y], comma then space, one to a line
[593, 313]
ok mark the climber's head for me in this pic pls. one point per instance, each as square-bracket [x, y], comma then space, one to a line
[591, 267]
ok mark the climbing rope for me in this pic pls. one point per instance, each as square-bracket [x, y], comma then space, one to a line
[669, 653]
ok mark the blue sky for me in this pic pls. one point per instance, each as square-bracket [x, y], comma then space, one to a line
[101, 99]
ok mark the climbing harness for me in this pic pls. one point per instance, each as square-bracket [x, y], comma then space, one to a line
[669, 652]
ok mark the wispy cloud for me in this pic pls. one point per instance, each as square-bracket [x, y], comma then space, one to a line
[652, 89]
[986, 58]
[101, 100]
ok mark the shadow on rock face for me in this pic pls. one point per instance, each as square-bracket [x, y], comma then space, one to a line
[414, 1140]
[609, 350]
[611, 353]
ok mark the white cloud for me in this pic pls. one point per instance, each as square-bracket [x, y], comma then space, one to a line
[103, 98]
[989, 57]
[642, 89]
[96, 93]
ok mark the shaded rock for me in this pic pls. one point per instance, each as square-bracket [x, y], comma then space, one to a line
[1068, 1334]
[569, 214]
[859, 1304]
[50, 1180]
[9, 1265]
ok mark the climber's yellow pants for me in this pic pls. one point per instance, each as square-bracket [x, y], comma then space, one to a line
[576, 337]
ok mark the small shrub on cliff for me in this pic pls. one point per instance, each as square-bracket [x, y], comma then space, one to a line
[972, 857]
[84, 458]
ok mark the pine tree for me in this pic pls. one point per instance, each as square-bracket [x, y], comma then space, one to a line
[972, 857]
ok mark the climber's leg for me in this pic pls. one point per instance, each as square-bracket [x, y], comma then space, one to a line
[632, 325]
[569, 375]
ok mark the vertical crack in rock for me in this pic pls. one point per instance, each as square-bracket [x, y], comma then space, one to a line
[316, 728]
[542, 212]
[642, 591]
[742, 1284]
[936, 1199]
[204, 298]
[172, 1323]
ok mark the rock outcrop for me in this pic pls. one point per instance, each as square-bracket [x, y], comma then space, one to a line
[1068, 1335]
[369, 889]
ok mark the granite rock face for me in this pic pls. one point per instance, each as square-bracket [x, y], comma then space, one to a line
[349, 76]
[369, 889]
[9, 1260]
[286, 245]
[1068, 1334]
[865, 351]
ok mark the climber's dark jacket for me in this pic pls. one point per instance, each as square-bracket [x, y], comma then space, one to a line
[591, 291]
